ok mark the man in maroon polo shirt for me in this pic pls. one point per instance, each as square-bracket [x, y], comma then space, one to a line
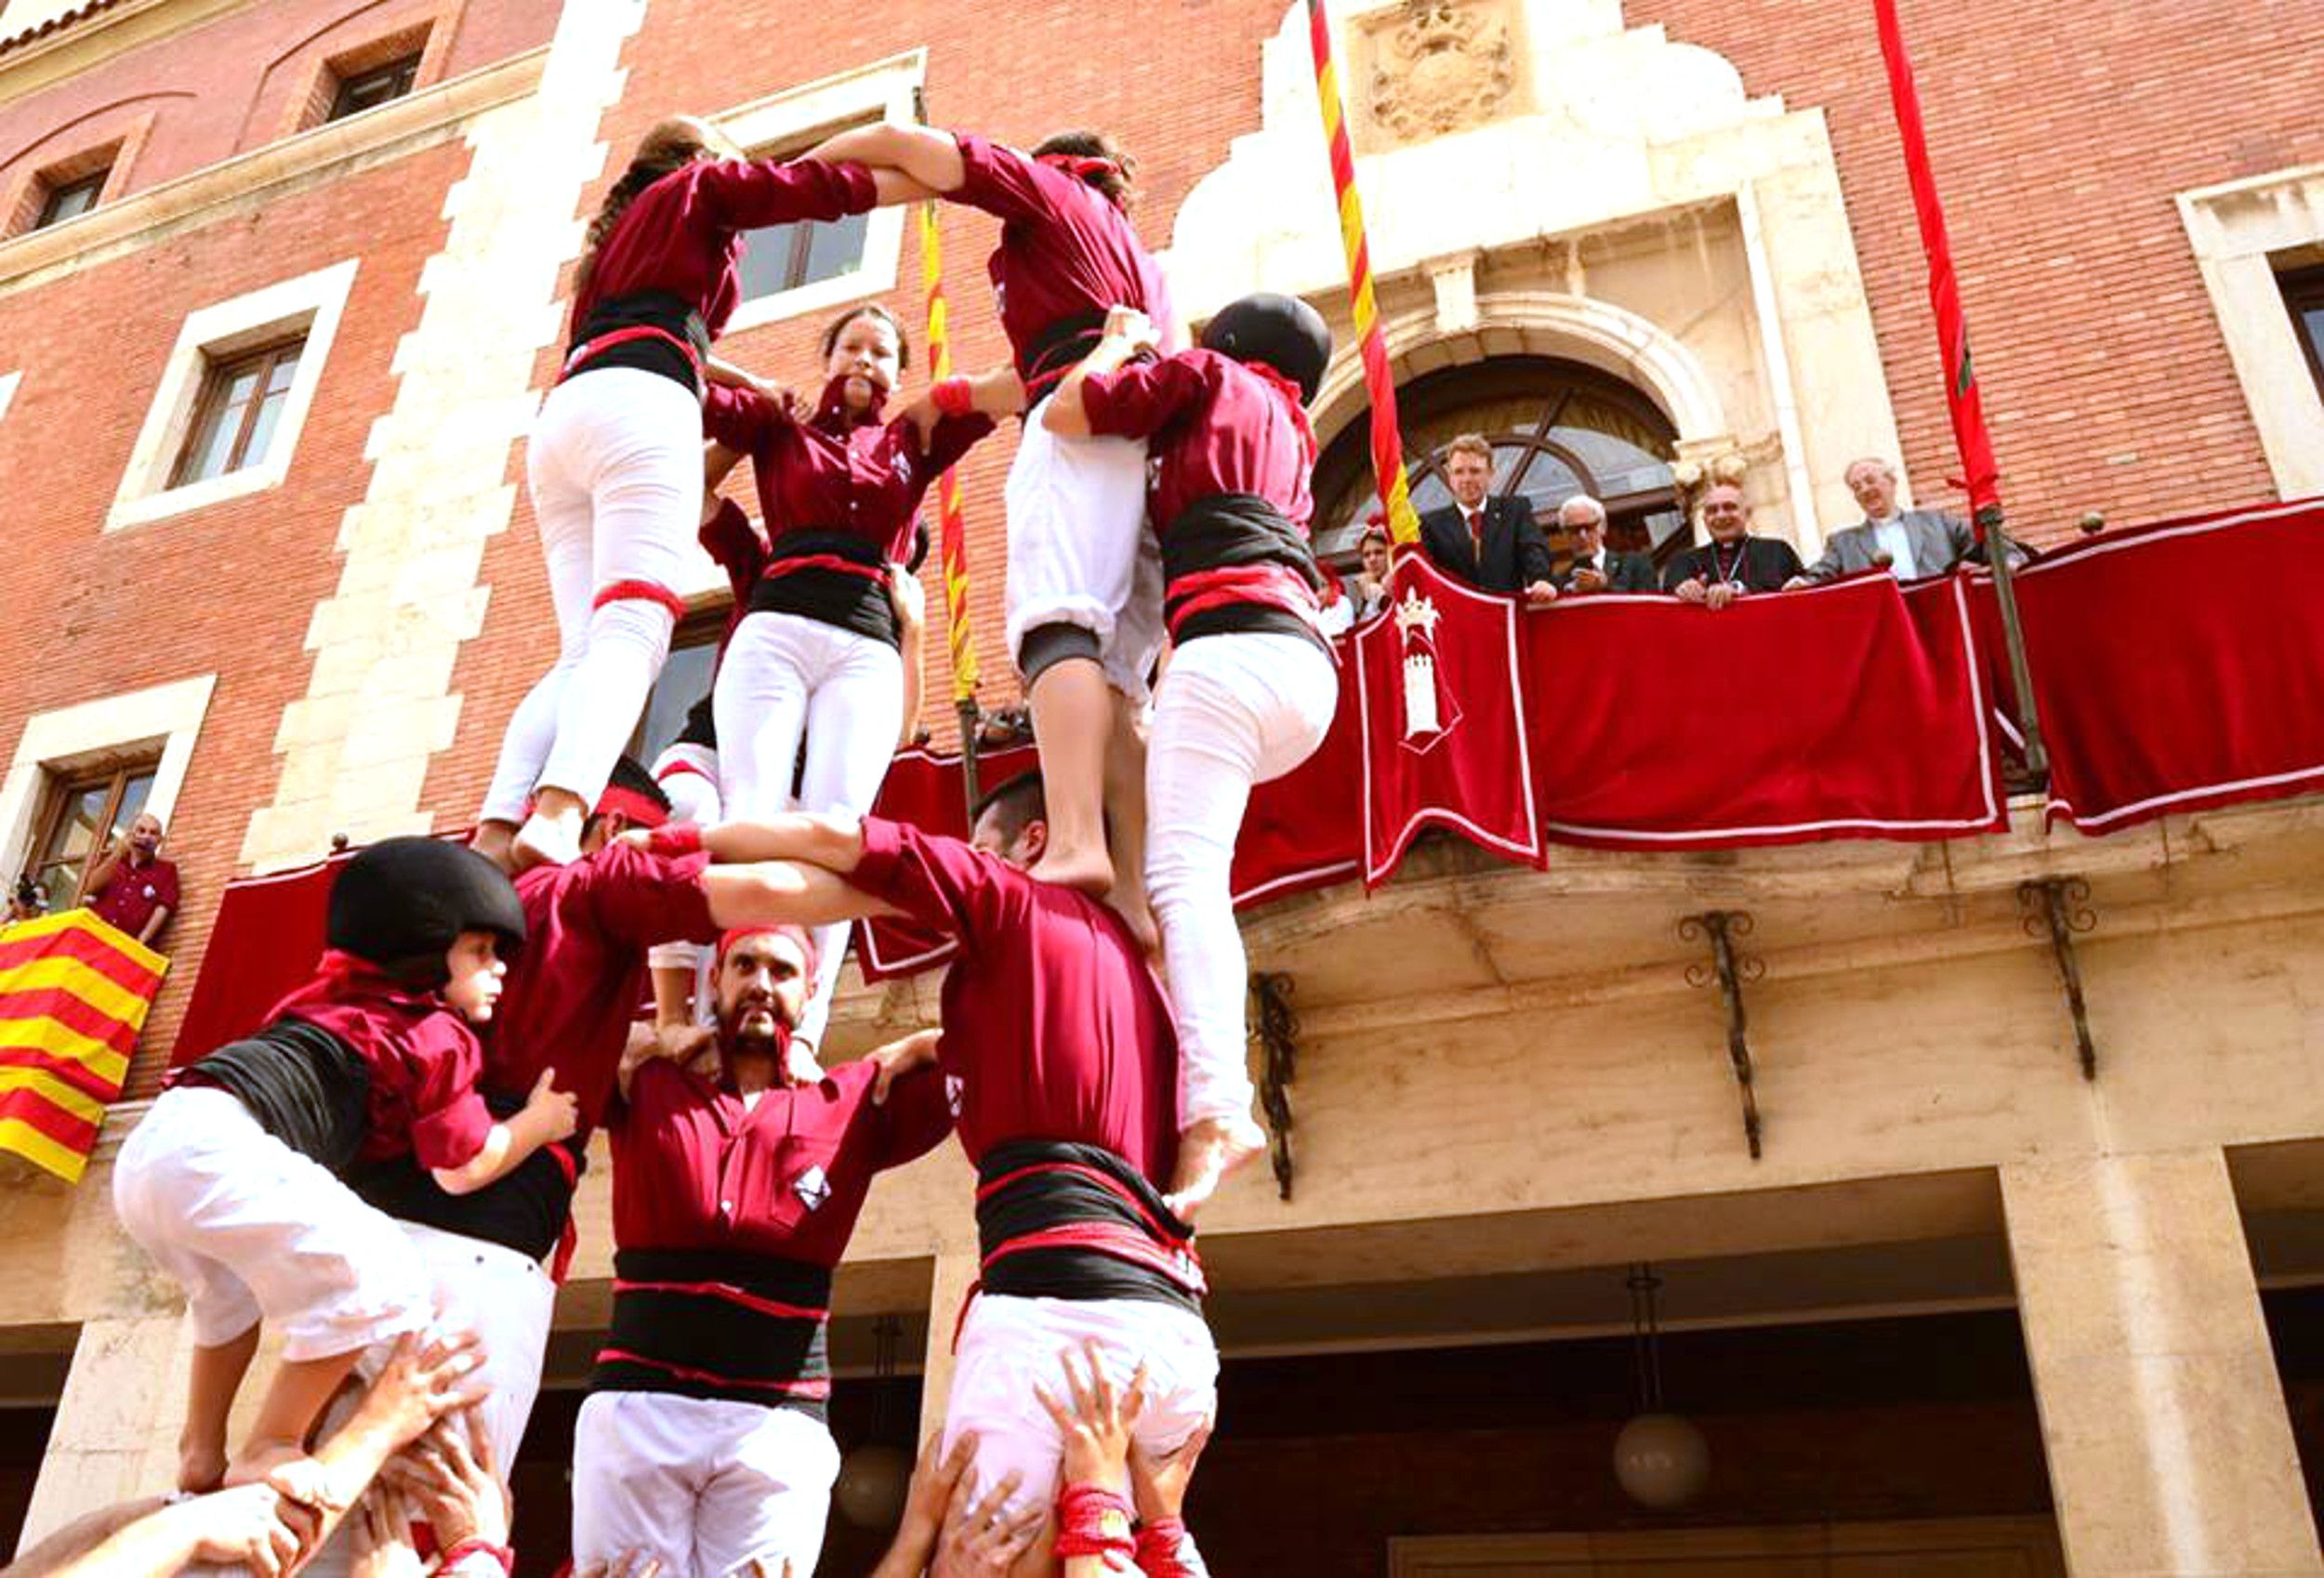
[131, 888]
[703, 1443]
[1057, 1035]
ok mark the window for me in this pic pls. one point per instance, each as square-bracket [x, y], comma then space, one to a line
[2303, 297]
[239, 408]
[363, 90]
[1557, 428]
[793, 269]
[85, 811]
[685, 679]
[233, 398]
[70, 200]
[787, 258]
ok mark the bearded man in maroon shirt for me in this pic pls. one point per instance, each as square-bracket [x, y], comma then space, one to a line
[704, 1443]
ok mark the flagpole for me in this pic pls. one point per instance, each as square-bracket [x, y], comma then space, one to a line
[953, 533]
[1395, 495]
[1963, 399]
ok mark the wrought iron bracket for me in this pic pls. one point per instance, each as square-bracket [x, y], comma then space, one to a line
[2058, 907]
[1730, 968]
[1278, 1031]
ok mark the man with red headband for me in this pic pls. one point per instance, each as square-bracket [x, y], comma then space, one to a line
[702, 1444]
[1059, 1038]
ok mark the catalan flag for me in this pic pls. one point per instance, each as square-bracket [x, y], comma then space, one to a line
[73, 994]
[952, 534]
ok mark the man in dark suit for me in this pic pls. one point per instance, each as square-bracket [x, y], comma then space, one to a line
[1734, 563]
[1597, 567]
[1491, 543]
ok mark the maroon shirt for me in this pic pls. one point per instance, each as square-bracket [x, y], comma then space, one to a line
[838, 471]
[1217, 428]
[683, 234]
[1053, 1023]
[1064, 251]
[424, 1063]
[697, 1168]
[133, 892]
[572, 991]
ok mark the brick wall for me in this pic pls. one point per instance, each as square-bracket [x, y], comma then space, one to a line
[228, 589]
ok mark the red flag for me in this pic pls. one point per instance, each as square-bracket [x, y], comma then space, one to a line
[1441, 688]
[1979, 474]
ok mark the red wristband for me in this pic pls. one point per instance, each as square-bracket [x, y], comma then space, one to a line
[501, 1554]
[1166, 1550]
[953, 396]
[1092, 1520]
[674, 839]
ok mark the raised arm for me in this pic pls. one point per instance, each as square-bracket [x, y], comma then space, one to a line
[926, 157]
[785, 892]
[1127, 332]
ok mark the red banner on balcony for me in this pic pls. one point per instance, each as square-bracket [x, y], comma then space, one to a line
[2178, 665]
[263, 946]
[73, 994]
[1442, 695]
[1853, 710]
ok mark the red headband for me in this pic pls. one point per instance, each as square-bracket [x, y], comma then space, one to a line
[641, 811]
[799, 935]
[1082, 166]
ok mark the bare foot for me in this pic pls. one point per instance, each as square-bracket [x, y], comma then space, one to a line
[547, 840]
[262, 1456]
[1090, 871]
[1207, 1153]
[201, 1465]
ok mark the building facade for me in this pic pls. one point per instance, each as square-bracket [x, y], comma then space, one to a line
[281, 284]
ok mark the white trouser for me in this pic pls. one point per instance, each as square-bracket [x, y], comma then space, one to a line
[507, 1300]
[1079, 552]
[615, 469]
[785, 675]
[689, 775]
[1236, 709]
[252, 1228]
[1009, 1346]
[700, 1484]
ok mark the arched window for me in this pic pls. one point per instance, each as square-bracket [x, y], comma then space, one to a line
[1557, 428]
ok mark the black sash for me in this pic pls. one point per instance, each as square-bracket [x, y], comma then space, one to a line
[1122, 1240]
[712, 1323]
[306, 1086]
[645, 309]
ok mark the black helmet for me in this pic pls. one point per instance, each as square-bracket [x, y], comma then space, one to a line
[405, 900]
[1281, 331]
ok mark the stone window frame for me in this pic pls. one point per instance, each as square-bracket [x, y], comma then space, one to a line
[311, 304]
[2243, 232]
[883, 90]
[166, 720]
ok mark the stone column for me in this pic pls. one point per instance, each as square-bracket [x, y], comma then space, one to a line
[948, 1289]
[2169, 1445]
[116, 1430]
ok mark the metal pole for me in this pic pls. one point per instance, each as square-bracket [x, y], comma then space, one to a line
[1996, 549]
[970, 714]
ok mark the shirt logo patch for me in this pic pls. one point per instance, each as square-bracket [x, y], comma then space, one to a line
[954, 1085]
[812, 1188]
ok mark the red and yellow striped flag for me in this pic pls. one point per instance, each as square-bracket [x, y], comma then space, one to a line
[952, 534]
[73, 994]
[1380, 382]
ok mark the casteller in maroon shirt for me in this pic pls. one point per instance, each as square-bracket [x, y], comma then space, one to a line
[730, 1216]
[1066, 255]
[1053, 1022]
[133, 892]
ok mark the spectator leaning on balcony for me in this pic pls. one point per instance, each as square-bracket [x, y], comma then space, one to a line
[131, 888]
[1912, 545]
[1597, 567]
[1734, 562]
[1491, 543]
[1367, 588]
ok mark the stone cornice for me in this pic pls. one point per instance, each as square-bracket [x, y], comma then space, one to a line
[424, 119]
[48, 54]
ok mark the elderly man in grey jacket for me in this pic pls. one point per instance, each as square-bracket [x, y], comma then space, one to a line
[1914, 545]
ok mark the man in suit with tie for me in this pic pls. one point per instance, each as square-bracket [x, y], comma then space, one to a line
[1597, 567]
[1491, 543]
[1912, 545]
